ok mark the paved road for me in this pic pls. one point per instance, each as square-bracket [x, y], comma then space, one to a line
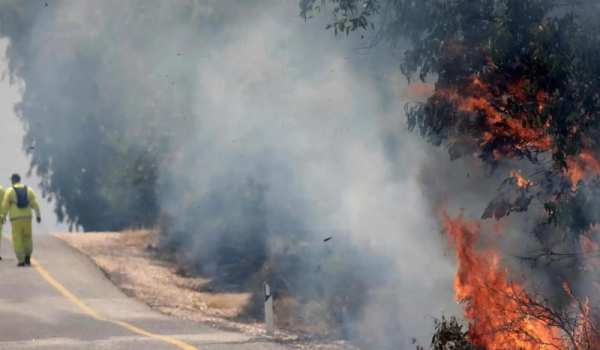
[65, 302]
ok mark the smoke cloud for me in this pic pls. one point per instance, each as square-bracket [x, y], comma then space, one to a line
[279, 136]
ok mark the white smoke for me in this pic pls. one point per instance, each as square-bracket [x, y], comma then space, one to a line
[278, 101]
[283, 102]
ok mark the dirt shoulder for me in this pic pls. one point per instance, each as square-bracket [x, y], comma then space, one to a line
[128, 261]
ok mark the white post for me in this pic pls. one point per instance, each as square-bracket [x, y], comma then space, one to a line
[269, 310]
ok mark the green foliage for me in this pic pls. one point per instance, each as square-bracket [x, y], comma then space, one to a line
[539, 43]
[513, 80]
[349, 15]
[502, 48]
[99, 121]
[105, 187]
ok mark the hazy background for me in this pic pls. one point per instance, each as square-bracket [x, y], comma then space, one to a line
[13, 157]
[250, 136]
[264, 136]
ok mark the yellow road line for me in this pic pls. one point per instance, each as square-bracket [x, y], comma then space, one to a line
[92, 313]
[64, 291]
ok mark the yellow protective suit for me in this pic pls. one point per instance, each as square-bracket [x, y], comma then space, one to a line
[20, 220]
[22, 238]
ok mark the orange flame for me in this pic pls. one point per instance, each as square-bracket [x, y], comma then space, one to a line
[586, 334]
[506, 130]
[493, 305]
[582, 167]
[522, 182]
[499, 124]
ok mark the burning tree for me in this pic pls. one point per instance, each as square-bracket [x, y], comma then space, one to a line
[510, 82]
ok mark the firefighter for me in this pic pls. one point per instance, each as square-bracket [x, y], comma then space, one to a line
[18, 203]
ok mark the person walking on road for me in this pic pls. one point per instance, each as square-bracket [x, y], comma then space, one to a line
[18, 203]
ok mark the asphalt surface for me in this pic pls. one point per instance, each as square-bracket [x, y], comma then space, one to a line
[36, 313]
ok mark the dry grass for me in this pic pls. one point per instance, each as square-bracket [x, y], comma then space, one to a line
[128, 260]
[125, 260]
